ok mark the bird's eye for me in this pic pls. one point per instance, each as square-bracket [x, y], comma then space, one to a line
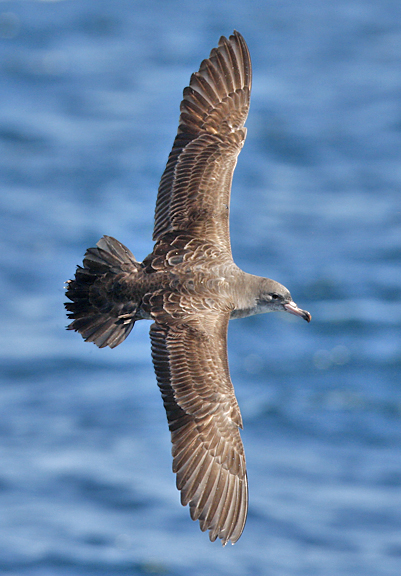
[275, 296]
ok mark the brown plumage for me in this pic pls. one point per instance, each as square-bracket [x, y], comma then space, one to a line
[190, 287]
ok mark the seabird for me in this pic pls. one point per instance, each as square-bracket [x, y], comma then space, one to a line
[190, 287]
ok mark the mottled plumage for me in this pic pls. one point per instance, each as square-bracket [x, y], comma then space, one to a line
[190, 287]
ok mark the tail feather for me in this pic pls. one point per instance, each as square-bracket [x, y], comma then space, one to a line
[102, 308]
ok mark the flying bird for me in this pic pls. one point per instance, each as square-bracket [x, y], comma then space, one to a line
[190, 287]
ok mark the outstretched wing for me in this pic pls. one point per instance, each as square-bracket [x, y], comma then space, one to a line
[194, 192]
[190, 360]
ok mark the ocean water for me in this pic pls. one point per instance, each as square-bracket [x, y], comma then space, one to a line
[89, 104]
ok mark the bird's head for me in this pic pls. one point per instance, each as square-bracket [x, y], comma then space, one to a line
[275, 297]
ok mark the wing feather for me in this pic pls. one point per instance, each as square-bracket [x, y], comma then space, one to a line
[194, 191]
[190, 360]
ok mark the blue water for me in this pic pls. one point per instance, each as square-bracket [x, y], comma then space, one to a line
[89, 104]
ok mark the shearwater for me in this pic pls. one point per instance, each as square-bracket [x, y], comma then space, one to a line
[190, 287]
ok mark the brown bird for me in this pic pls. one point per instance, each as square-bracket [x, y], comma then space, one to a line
[190, 287]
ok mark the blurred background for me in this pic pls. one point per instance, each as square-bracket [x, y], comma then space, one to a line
[89, 105]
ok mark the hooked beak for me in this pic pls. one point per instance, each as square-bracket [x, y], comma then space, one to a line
[293, 309]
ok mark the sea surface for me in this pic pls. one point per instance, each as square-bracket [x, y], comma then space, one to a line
[89, 104]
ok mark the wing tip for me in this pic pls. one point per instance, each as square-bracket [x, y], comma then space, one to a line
[226, 72]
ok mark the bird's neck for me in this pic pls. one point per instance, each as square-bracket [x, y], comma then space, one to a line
[245, 292]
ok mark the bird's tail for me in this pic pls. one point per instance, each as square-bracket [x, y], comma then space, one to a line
[102, 308]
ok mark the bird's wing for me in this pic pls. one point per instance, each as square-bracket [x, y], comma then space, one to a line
[189, 352]
[194, 191]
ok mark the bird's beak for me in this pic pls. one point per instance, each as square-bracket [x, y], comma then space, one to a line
[293, 308]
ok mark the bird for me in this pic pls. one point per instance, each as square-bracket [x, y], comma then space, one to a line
[190, 287]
